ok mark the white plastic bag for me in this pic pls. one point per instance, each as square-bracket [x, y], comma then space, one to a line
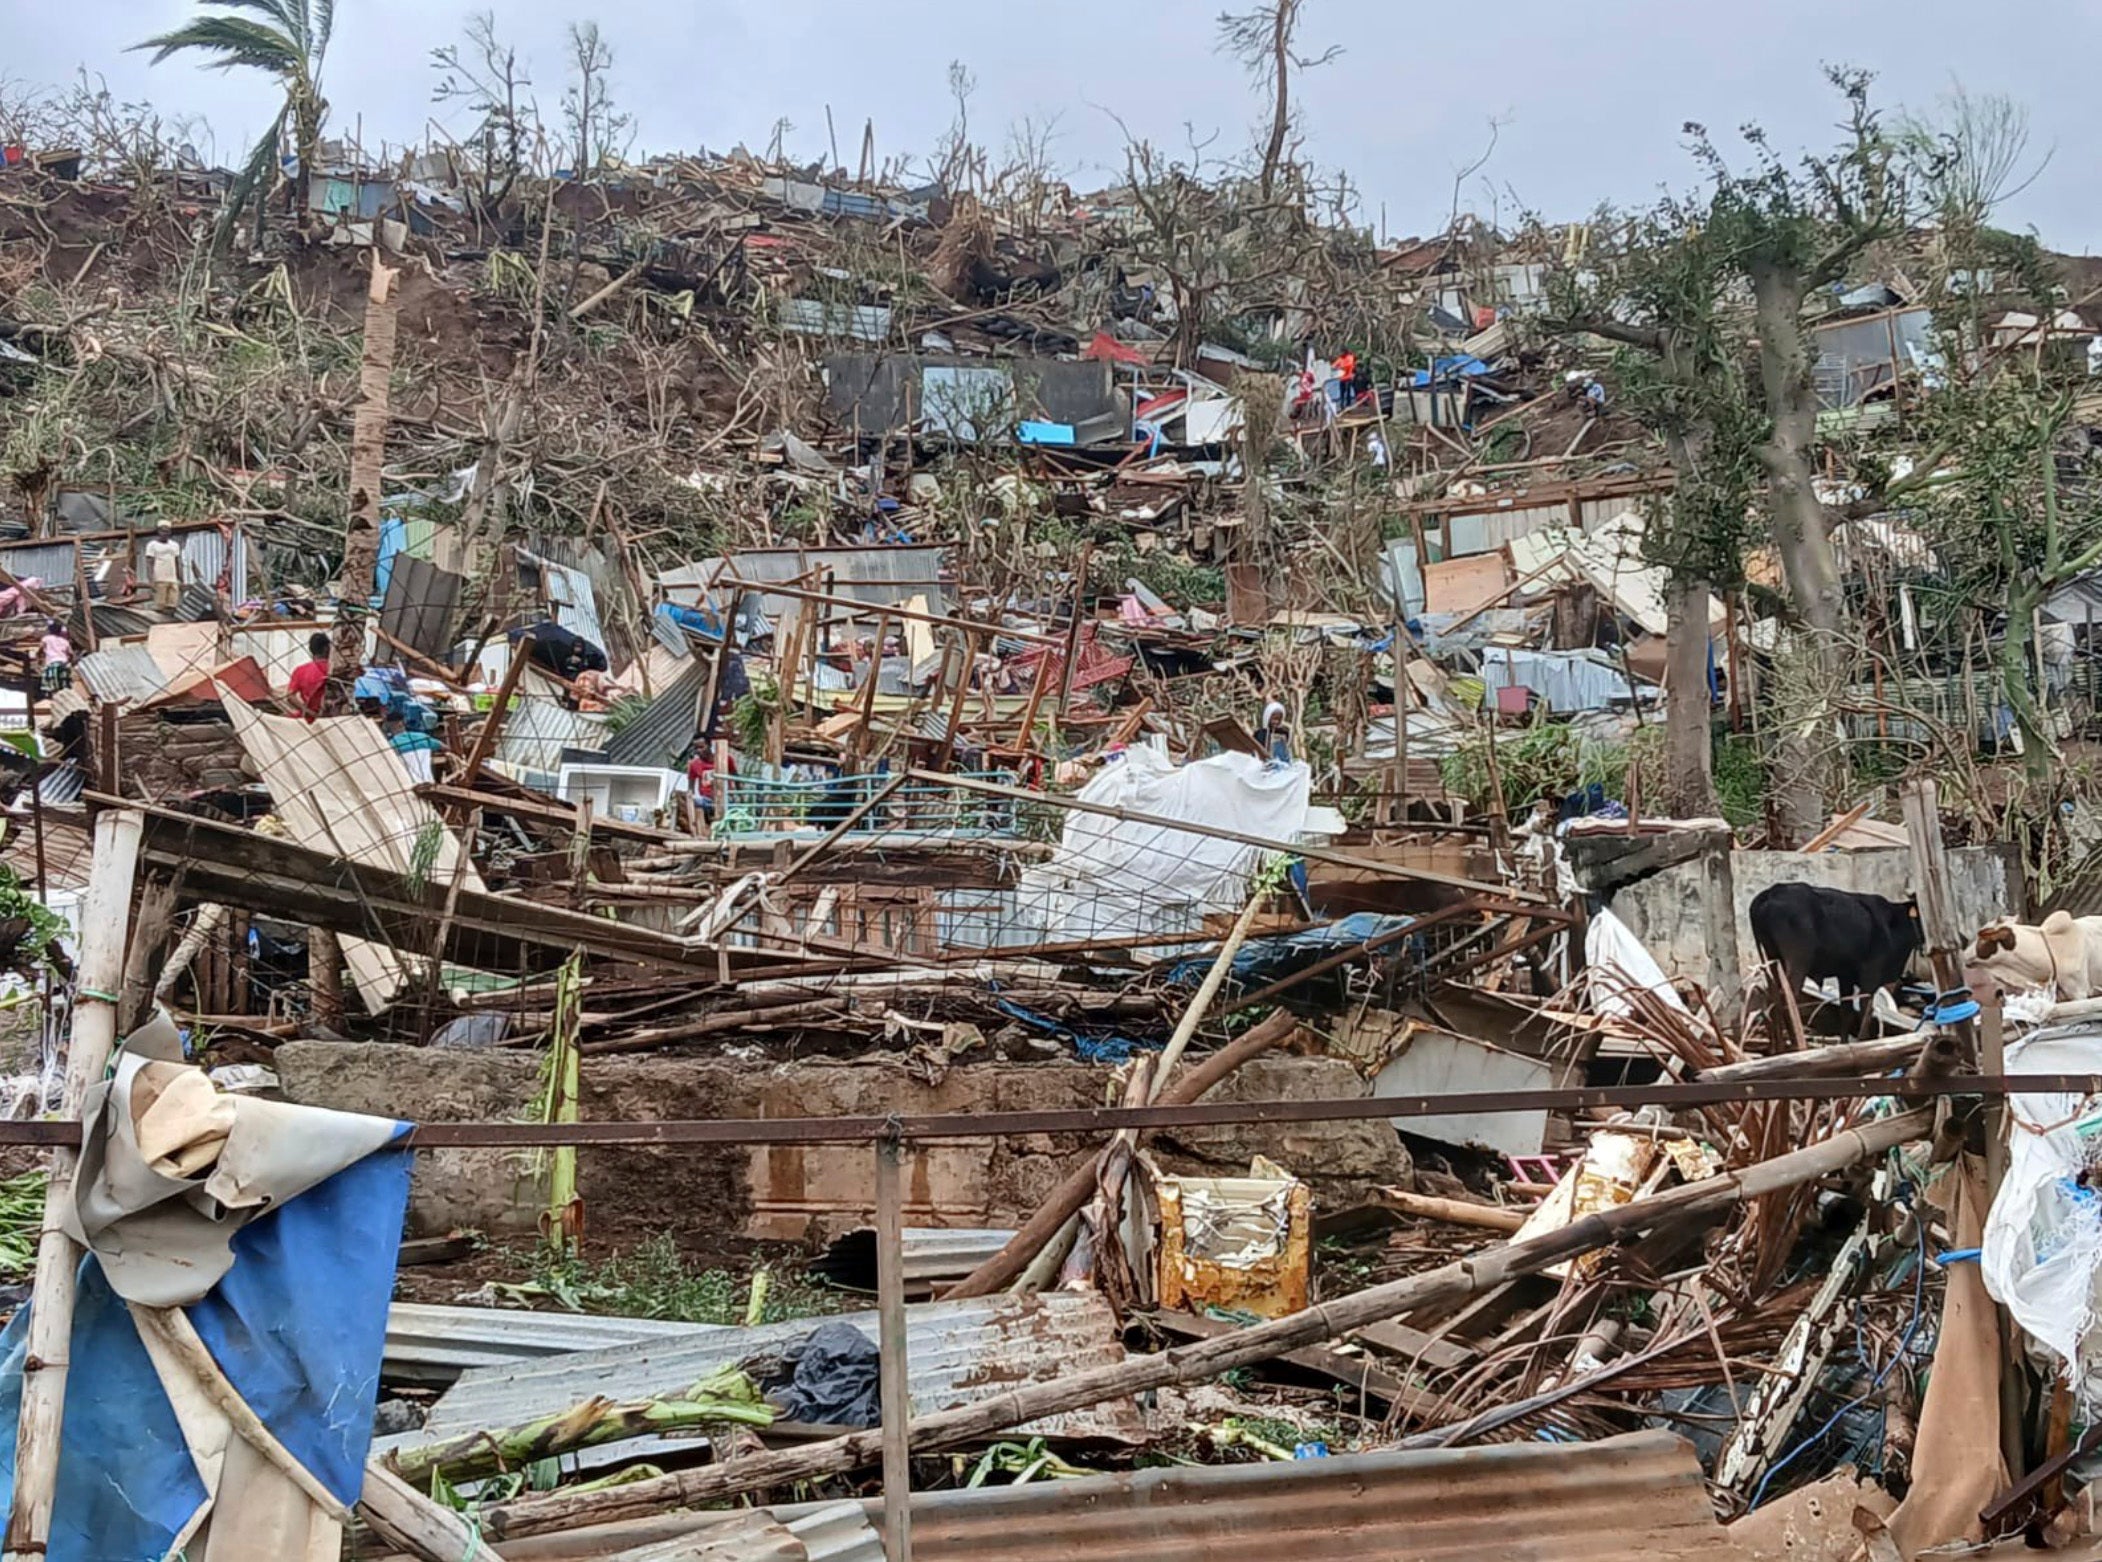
[2042, 1252]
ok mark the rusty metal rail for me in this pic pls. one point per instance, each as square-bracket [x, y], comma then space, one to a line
[1103, 1120]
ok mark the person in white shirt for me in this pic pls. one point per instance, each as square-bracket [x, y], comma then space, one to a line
[164, 568]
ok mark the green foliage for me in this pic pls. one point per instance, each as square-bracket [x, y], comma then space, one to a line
[1741, 781]
[21, 1223]
[1546, 761]
[46, 926]
[655, 1281]
[752, 713]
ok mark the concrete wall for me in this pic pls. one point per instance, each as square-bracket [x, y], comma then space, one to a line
[1664, 911]
[787, 1192]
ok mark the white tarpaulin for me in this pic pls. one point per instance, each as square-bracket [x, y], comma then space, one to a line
[1618, 962]
[2042, 1253]
[338, 786]
[1116, 878]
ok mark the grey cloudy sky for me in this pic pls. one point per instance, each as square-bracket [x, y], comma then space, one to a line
[1590, 97]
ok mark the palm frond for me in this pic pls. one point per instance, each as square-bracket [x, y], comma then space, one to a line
[323, 29]
[259, 167]
[235, 40]
[289, 15]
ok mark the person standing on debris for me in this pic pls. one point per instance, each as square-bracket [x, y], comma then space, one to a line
[700, 776]
[309, 682]
[57, 652]
[1277, 734]
[164, 568]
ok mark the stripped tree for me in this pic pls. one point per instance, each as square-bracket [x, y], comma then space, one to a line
[1656, 293]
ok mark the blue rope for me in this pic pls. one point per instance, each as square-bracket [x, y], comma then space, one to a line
[1919, 1281]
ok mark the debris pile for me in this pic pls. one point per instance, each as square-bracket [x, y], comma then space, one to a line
[917, 739]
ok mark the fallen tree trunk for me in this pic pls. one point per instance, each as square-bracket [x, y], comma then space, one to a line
[722, 1401]
[1071, 1196]
[1207, 1359]
[1845, 1060]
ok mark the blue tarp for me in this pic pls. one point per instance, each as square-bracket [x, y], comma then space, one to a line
[298, 1326]
[1089, 1049]
[1266, 959]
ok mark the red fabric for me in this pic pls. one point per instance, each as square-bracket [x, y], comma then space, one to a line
[309, 680]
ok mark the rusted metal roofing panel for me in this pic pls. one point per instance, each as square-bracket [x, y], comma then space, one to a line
[1635, 1496]
[959, 1352]
[121, 674]
[1627, 1497]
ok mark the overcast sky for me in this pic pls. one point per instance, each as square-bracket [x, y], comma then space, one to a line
[1589, 97]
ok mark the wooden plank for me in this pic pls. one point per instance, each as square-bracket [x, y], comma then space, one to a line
[1354, 1372]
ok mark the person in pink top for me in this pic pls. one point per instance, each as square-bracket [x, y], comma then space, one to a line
[57, 654]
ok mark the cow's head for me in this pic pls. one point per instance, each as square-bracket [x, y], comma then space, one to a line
[1995, 939]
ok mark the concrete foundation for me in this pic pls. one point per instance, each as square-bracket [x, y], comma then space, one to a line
[791, 1192]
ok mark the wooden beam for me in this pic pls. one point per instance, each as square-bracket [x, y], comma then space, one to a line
[104, 918]
[493, 724]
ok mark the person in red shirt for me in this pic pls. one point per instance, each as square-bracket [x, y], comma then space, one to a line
[310, 678]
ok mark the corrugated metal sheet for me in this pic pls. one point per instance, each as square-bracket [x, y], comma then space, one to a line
[841, 1532]
[821, 317]
[206, 556]
[932, 1254]
[878, 576]
[439, 1343]
[959, 1352]
[121, 675]
[1635, 1496]
[50, 562]
[419, 607]
[538, 728]
[664, 732]
[1638, 1496]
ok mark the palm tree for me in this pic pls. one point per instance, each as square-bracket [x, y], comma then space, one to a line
[284, 38]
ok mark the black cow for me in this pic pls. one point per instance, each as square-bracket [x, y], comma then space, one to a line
[1864, 941]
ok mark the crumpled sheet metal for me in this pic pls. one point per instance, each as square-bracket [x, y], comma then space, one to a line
[957, 1352]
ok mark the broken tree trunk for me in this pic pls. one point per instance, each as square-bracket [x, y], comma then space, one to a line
[1689, 766]
[1005, 1266]
[104, 917]
[1207, 1359]
[720, 1401]
[368, 454]
[403, 1517]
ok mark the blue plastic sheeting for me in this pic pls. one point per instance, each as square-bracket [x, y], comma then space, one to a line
[1266, 959]
[697, 619]
[1459, 367]
[394, 539]
[1033, 433]
[1089, 1049]
[297, 1325]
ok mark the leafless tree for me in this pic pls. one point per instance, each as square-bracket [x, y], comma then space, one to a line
[483, 73]
[596, 127]
[1262, 40]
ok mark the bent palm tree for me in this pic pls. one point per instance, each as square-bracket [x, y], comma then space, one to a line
[284, 38]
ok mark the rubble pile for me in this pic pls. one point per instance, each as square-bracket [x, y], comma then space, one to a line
[921, 741]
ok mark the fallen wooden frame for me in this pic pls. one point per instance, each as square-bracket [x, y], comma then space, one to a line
[237, 867]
